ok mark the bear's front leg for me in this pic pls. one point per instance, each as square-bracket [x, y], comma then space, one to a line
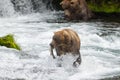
[51, 51]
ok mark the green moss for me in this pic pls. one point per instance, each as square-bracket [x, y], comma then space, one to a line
[108, 6]
[9, 42]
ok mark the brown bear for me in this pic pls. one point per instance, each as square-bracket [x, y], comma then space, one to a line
[66, 41]
[76, 9]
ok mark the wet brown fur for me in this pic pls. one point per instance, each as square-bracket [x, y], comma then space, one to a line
[76, 9]
[66, 41]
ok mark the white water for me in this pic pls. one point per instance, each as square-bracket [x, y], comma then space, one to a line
[100, 46]
[6, 8]
[100, 54]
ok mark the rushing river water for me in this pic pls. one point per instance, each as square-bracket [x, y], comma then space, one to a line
[100, 49]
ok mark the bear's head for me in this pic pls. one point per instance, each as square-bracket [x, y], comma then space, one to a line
[74, 5]
[58, 39]
[70, 4]
[65, 4]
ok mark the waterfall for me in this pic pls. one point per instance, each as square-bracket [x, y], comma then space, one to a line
[6, 8]
[39, 5]
[13, 7]
[22, 6]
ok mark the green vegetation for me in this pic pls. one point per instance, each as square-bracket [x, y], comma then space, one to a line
[9, 42]
[107, 6]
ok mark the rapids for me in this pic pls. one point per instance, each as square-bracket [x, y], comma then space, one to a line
[100, 48]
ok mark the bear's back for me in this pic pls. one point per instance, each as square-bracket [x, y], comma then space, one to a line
[72, 37]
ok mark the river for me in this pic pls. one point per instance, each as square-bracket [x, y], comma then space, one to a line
[100, 49]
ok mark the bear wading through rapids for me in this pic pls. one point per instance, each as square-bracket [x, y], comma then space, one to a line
[66, 41]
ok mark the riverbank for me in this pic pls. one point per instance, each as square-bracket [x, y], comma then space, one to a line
[105, 9]
[107, 6]
[111, 17]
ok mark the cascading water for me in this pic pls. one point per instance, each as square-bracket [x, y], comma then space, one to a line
[23, 6]
[6, 8]
[33, 31]
[17, 7]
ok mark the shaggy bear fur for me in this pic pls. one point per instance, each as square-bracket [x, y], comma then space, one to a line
[76, 9]
[66, 41]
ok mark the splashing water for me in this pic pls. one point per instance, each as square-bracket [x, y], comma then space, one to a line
[19, 7]
[100, 49]
[6, 8]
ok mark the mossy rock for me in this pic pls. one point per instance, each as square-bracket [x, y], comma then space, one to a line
[9, 42]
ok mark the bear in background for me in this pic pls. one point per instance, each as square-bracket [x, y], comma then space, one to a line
[76, 10]
[66, 41]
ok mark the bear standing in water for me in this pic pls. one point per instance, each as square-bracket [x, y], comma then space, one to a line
[76, 9]
[66, 41]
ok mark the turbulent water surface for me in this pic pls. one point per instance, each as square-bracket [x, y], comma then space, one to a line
[100, 49]
[100, 45]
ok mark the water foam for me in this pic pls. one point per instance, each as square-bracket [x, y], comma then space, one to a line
[100, 54]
